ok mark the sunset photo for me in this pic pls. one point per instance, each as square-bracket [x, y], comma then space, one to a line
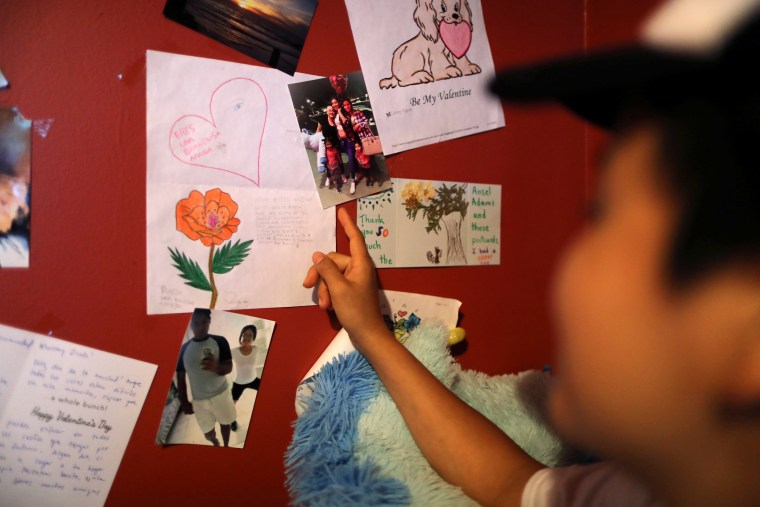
[272, 32]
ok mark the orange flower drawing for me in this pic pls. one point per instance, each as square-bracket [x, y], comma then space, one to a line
[210, 217]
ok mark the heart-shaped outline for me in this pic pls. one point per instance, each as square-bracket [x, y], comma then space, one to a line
[257, 181]
[402, 313]
[449, 31]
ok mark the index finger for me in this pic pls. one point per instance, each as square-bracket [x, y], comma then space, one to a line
[356, 245]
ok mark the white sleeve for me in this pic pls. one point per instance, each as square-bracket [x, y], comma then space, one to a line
[598, 485]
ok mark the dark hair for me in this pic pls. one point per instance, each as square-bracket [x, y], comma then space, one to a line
[710, 162]
[201, 311]
[246, 328]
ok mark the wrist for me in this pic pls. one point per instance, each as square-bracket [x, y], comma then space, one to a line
[371, 334]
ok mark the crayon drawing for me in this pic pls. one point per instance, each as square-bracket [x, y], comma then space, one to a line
[211, 219]
[443, 205]
[401, 322]
[439, 50]
[228, 188]
[432, 224]
[427, 66]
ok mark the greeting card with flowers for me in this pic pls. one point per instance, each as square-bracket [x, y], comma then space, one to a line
[433, 224]
[232, 216]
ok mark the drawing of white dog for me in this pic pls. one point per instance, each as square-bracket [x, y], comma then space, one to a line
[439, 50]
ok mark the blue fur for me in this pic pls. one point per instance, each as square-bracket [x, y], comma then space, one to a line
[352, 447]
[321, 466]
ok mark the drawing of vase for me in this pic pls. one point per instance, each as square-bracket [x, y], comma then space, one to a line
[454, 249]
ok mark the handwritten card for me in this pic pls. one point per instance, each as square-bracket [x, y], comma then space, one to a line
[403, 312]
[66, 415]
[230, 197]
[432, 224]
[427, 67]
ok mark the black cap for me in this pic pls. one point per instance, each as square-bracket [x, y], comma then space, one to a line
[688, 47]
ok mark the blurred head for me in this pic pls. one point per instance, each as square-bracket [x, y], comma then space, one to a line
[657, 301]
[347, 105]
[649, 322]
[335, 104]
[358, 147]
[200, 322]
[328, 143]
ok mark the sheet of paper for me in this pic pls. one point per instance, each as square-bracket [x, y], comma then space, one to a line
[66, 415]
[427, 70]
[177, 427]
[15, 185]
[232, 214]
[403, 312]
[432, 224]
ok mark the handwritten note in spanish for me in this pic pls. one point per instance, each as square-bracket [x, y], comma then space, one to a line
[66, 415]
[433, 224]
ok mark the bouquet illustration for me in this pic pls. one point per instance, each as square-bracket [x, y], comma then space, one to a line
[210, 218]
[445, 205]
[401, 324]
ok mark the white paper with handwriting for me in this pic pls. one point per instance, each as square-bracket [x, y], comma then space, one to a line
[232, 212]
[66, 414]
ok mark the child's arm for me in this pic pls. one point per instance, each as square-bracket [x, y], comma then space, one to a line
[464, 447]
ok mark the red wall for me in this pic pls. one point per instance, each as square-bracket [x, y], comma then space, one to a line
[86, 282]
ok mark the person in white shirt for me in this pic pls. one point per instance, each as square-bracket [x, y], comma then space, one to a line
[249, 361]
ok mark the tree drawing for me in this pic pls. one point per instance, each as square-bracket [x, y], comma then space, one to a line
[445, 205]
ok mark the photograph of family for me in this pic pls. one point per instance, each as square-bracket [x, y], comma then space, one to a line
[217, 378]
[340, 136]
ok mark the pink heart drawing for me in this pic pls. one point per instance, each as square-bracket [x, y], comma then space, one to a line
[456, 37]
[230, 139]
[401, 313]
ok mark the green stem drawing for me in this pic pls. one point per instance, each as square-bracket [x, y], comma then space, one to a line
[214, 292]
[220, 261]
